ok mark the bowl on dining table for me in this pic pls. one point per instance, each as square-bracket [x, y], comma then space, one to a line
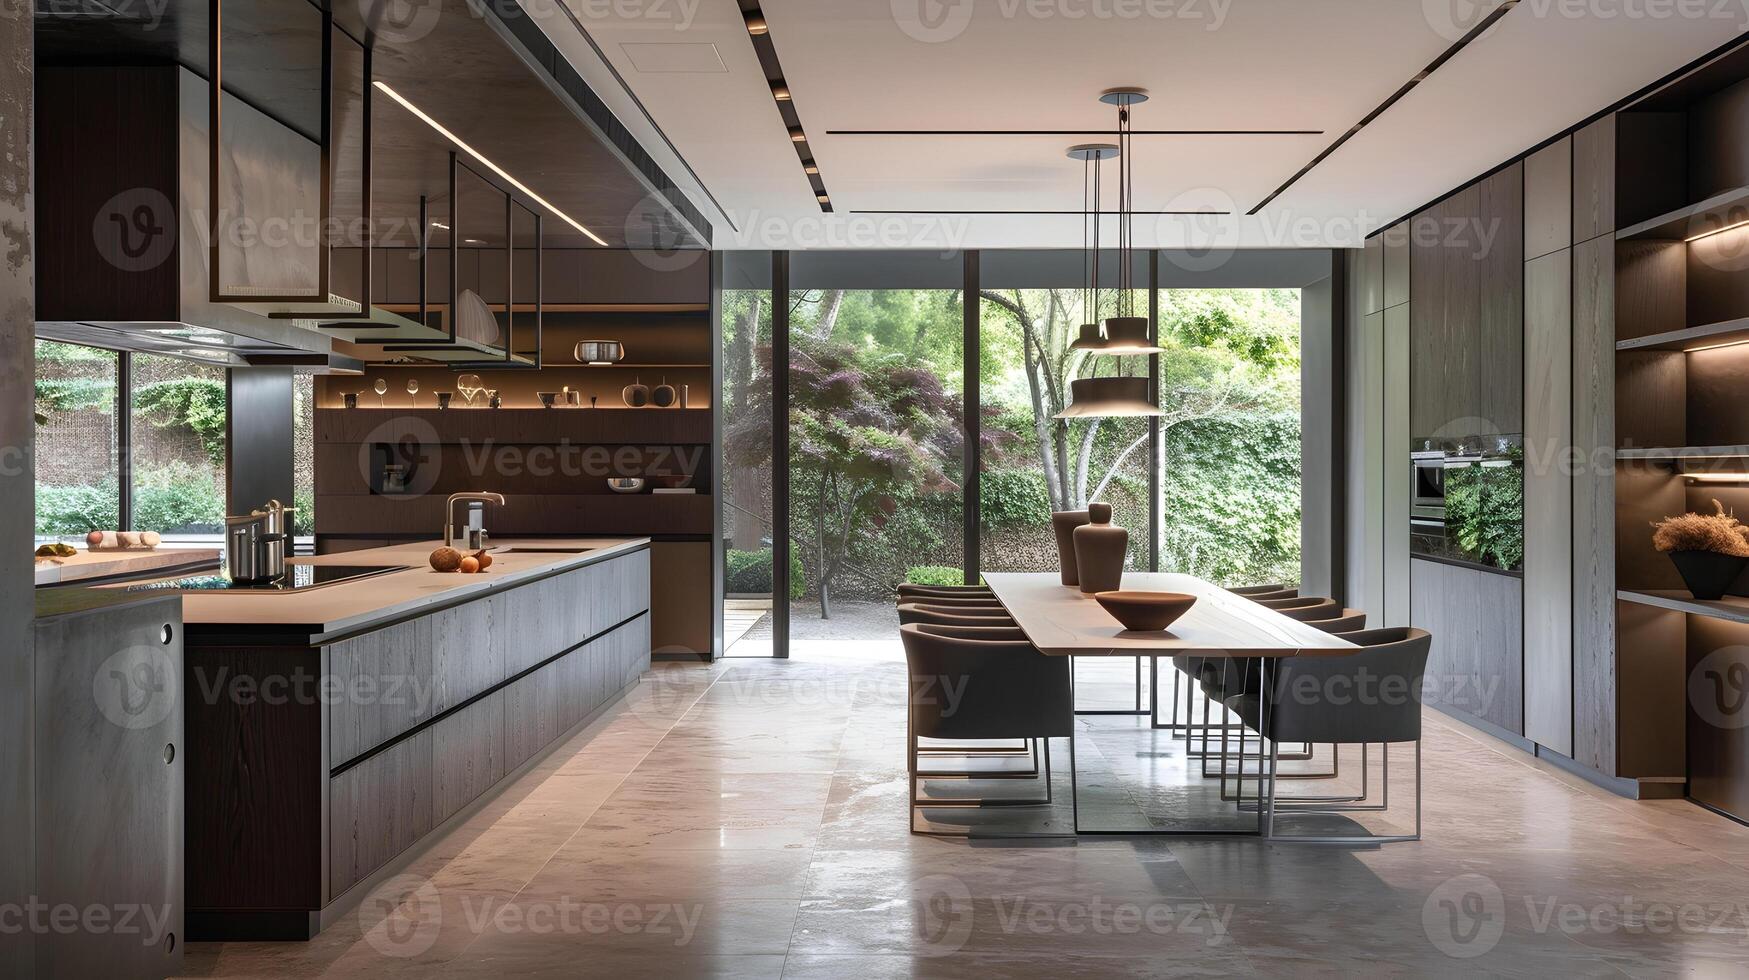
[1145, 612]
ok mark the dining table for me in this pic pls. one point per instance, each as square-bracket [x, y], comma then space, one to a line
[1062, 621]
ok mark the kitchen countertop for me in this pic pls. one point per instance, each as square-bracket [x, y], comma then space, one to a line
[345, 607]
[89, 564]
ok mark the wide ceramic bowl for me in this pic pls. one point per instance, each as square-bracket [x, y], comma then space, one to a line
[1145, 612]
[625, 484]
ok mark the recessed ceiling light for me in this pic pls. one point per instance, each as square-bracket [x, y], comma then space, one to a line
[796, 135]
[756, 23]
[823, 199]
[780, 91]
[477, 155]
[810, 169]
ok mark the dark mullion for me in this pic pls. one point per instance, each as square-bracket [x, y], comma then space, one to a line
[780, 584]
[124, 437]
[1156, 450]
[970, 367]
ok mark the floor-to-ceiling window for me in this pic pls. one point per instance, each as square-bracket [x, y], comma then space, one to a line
[745, 311]
[876, 434]
[1230, 398]
[304, 461]
[78, 485]
[178, 461]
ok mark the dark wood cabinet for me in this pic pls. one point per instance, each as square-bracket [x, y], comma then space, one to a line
[1466, 273]
[1476, 666]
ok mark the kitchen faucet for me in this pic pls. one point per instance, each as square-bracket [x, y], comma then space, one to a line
[449, 536]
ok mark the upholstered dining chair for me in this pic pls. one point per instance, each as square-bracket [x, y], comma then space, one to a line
[908, 589]
[1295, 601]
[1306, 612]
[1277, 594]
[980, 685]
[915, 612]
[1348, 622]
[1250, 590]
[989, 602]
[1371, 695]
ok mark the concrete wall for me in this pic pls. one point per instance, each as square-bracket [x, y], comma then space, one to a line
[17, 490]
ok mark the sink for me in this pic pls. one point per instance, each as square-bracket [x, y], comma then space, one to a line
[520, 550]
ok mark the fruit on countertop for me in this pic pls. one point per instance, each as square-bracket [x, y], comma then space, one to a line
[446, 559]
[470, 565]
[93, 539]
[485, 559]
[56, 550]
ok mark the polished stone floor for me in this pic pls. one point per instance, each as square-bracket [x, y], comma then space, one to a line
[748, 819]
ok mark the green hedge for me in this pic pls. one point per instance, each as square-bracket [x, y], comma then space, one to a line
[749, 573]
[935, 575]
[176, 499]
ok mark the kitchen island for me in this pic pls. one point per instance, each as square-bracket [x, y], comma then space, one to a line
[333, 732]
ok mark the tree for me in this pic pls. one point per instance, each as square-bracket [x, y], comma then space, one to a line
[1071, 453]
[866, 427]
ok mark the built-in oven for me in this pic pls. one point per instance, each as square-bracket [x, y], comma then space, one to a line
[1427, 505]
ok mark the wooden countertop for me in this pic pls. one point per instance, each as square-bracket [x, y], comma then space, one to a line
[1062, 621]
[345, 607]
[108, 564]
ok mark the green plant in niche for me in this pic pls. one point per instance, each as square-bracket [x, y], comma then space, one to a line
[1484, 510]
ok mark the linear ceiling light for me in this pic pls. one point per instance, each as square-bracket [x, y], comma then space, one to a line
[477, 155]
[1717, 231]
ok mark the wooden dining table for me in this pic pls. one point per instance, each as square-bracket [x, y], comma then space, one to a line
[1062, 621]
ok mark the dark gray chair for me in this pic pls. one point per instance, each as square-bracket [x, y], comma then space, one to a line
[968, 602]
[1349, 621]
[1323, 609]
[981, 685]
[916, 612]
[909, 590]
[1250, 590]
[1295, 602]
[1371, 695]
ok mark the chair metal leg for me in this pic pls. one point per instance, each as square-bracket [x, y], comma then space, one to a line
[1366, 839]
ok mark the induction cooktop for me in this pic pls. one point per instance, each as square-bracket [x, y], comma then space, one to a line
[298, 578]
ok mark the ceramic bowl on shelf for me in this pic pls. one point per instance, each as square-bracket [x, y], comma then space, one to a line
[673, 481]
[625, 484]
[599, 352]
[1145, 612]
[547, 398]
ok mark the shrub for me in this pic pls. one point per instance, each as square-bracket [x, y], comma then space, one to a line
[935, 575]
[178, 498]
[749, 573]
[1013, 498]
[76, 510]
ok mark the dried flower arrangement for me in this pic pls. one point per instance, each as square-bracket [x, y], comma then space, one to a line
[1718, 532]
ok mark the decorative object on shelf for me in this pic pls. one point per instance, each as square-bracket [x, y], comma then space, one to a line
[636, 394]
[1064, 523]
[685, 396]
[573, 397]
[443, 398]
[599, 353]
[625, 484]
[1100, 549]
[664, 395]
[1145, 611]
[1708, 550]
[470, 387]
[674, 481]
[413, 392]
[492, 399]
[350, 399]
[592, 402]
[547, 398]
[381, 388]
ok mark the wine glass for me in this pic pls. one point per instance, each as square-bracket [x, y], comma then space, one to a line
[381, 388]
[469, 385]
[413, 391]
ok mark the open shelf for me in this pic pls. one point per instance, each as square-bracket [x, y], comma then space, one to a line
[1721, 334]
[1711, 215]
[1684, 452]
[1732, 608]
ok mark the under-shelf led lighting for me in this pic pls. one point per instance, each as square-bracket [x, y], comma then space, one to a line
[477, 155]
[1718, 477]
[1696, 350]
[439, 224]
[1717, 231]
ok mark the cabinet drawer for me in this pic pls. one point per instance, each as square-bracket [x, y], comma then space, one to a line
[378, 809]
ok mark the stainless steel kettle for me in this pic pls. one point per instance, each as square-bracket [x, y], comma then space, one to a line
[255, 543]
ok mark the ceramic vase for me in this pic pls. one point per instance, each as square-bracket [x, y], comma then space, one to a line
[1100, 547]
[1708, 574]
[1064, 523]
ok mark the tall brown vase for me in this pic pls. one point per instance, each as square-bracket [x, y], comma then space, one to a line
[1064, 522]
[1100, 547]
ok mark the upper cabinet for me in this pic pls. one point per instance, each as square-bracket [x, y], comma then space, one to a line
[1466, 274]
